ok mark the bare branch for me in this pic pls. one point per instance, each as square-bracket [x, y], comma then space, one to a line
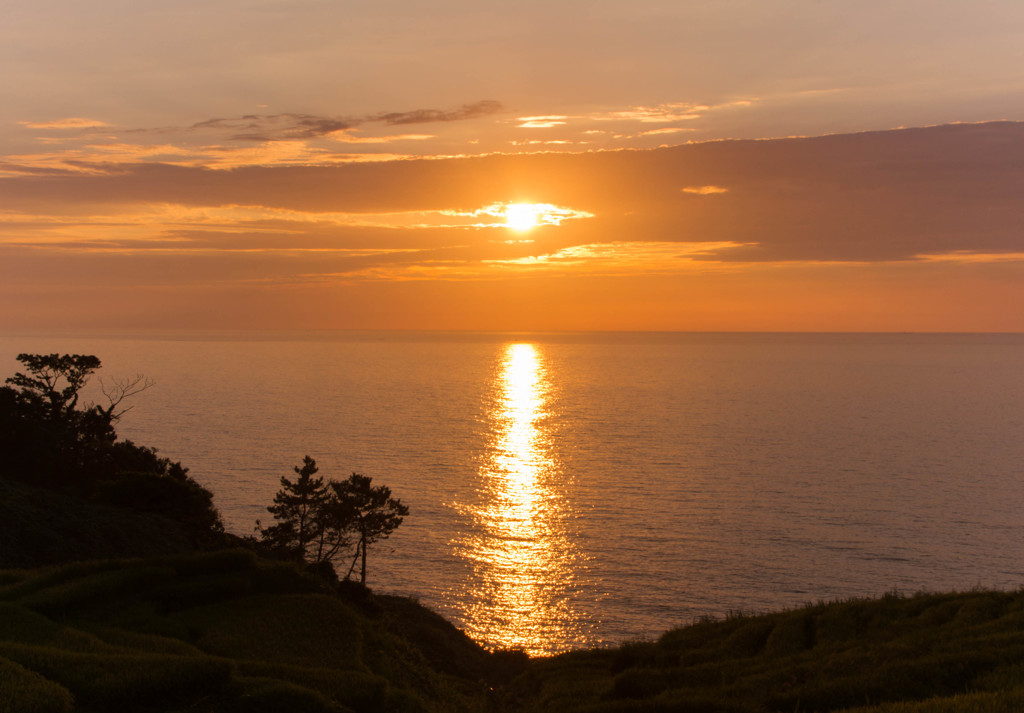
[117, 390]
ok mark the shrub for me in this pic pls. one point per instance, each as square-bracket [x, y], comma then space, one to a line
[152, 643]
[50, 577]
[94, 589]
[792, 634]
[200, 590]
[749, 637]
[25, 691]
[27, 627]
[982, 608]
[362, 692]
[121, 681]
[274, 696]
[639, 683]
[313, 630]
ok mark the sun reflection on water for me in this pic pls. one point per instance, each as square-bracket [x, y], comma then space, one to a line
[524, 565]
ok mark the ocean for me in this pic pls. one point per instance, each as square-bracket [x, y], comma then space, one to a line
[579, 490]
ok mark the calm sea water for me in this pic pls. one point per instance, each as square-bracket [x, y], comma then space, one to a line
[578, 490]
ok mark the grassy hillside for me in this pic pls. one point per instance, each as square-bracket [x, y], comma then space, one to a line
[223, 631]
[920, 654]
[227, 631]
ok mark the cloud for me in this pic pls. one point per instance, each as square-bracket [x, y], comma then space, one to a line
[541, 122]
[117, 157]
[347, 138]
[705, 190]
[65, 124]
[276, 127]
[663, 113]
[872, 197]
[427, 116]
[543, 213]
[548, 142]
[668, 113]
[622, 122]
[291, 126]
[669, 130]
[968, 256]
[621, 258]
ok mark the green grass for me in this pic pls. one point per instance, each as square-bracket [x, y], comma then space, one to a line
[829, 657]
[263, 628]
[222, 631]
[227, 631]
[120, 681]
[1011, 701]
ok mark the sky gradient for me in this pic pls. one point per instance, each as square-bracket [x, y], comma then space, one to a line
[720, 165]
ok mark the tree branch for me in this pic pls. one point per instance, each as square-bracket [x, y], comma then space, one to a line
[117, 390]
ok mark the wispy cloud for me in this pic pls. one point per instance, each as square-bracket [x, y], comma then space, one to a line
[289, 126]
[347, 138]
[940, 194]
[705, 190]
[625, 124]
[276, 127]
[668, 130]
[427, 116]
[623, 257]
[542, 122]
[66, 124]
[661, 114]
[100, 159]
[543, 213]
[969, 256]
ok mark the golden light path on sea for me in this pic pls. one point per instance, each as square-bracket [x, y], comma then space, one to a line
[523, 563]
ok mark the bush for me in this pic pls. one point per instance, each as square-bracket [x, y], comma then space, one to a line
[122, 681]
[793, 634]
[93, 590]
[186, 593]
[312, 630]
[749, 636]
[362, 692]
[273, 696]
[25, 691]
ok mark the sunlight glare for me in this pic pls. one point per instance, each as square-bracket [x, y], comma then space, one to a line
[523, 561]
[522, 216]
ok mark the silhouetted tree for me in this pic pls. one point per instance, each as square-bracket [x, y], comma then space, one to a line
[318, 521]
[168, 491]
[297, 508]
[375, 514]
[54, 379]
[46, 439]
[43, 436]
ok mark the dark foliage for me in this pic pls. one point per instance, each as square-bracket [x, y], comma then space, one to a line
[373, 513]
[301, 527]
[318, 521]
[48, 441]
[39, 526]
[219, 632]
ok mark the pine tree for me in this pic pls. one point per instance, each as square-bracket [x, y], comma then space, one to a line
[375, 514]
[316, 522]
[298, 507]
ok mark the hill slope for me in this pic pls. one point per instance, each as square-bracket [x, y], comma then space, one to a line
[227, 631]
[222, 631]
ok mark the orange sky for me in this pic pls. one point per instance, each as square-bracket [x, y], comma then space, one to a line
[238, 165]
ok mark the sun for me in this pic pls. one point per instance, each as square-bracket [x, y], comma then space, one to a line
[522, 216]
